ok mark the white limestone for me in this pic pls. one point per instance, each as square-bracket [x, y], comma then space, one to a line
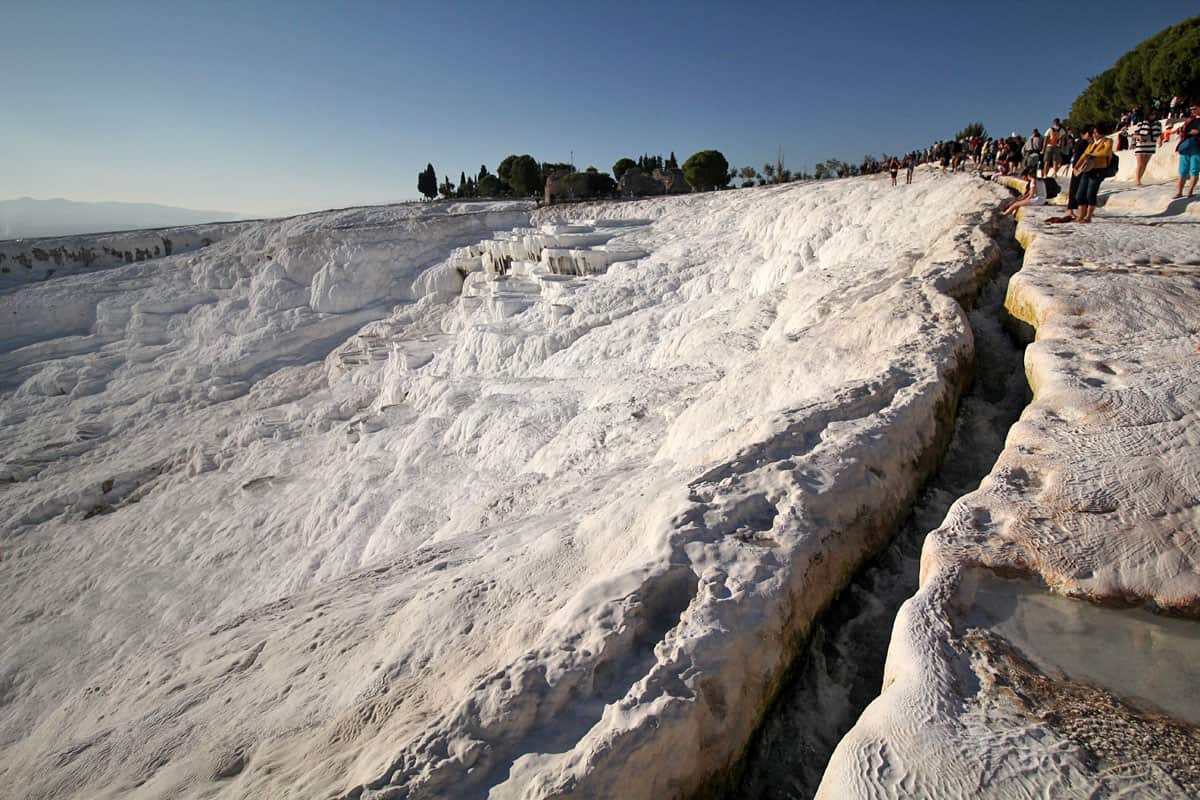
[1094, 498]
[385, 503]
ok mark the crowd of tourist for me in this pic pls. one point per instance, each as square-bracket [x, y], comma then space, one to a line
[1086, 156]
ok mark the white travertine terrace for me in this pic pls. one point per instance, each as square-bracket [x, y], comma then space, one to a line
[377, 503]
[994, 686]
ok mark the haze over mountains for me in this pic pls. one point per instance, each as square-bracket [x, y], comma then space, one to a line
[26, 217]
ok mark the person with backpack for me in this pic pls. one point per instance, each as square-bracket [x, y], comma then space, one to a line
[1051, 152]
[1095, 164]
[1189, 152]
[1032, 150]
[1145, 142]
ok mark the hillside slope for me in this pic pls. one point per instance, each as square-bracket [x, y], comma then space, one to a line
[376, 503]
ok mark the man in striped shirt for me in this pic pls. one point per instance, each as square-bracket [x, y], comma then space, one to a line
[1145, 139]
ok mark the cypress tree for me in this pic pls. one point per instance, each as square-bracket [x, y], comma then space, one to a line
[427, 182]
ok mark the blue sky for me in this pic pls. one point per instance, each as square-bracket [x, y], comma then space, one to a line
[272, 108]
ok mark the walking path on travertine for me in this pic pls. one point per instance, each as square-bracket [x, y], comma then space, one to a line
[1028, 665]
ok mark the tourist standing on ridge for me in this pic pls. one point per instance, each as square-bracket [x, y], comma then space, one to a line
[1051, 152]
[1092, 164]
[1066, 146]
[1189, 151]
[1145, 142]
[910, 161]
[1033, 150]
[893, 167]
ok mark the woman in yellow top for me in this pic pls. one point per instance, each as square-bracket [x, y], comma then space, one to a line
[1090, 169]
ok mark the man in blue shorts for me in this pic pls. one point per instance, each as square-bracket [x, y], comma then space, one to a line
[1189, 151]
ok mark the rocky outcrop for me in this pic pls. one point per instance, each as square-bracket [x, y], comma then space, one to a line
[25, 260]
[1029, 662]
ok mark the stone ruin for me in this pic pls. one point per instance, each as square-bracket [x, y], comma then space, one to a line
[635, 183]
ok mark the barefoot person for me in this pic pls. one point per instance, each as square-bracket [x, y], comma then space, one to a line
[1035, 193]
[1090, 167]
[1145, 138]
[1189, 152]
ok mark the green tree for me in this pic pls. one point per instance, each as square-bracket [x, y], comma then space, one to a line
[671, 162]
[447, 188]
[427, 182]
[1159, 67]
[622, 164]
[525, 176]
[489, 186]
[707, 169]
[504, 171]
[590, 184]
[971, 130]
[549, 169]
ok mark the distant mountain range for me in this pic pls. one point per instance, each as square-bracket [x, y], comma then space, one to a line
[26, 217]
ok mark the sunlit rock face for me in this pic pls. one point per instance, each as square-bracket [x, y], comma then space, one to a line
[1053, 640]
[462, 500]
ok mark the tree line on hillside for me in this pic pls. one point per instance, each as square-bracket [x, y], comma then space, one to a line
[525, 176]
[1163, 66]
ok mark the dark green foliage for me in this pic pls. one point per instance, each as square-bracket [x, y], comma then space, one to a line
[833, 168]
[447, 188]
[671, 162]
[549, 169]
[622, 165]
[427, 182]
[973, 129]
[524, 176]
[1164, 65]
[590, 184]
[504, 171]
[489, 186]
[707, 169]
[648, 163]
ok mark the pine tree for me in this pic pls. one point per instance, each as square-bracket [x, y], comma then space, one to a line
[671, 162]
[427, 182]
